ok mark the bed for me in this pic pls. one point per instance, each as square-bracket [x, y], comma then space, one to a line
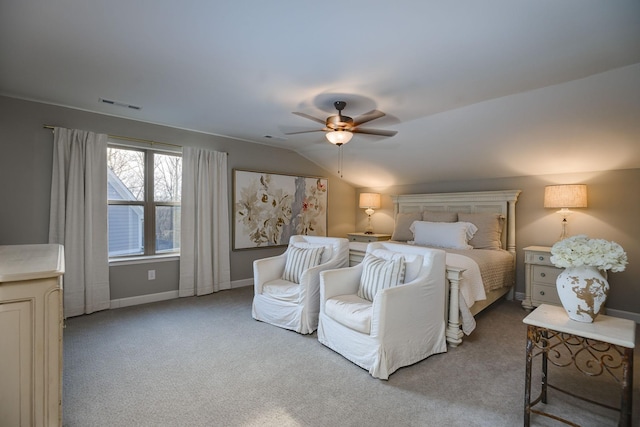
[476, 277]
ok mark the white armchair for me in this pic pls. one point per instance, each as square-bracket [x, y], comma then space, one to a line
[402, 324]
[294, 304]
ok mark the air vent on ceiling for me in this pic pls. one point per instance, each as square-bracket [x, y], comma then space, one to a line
[119, 104]
[277, 138]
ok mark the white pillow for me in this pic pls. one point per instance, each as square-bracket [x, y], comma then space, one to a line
[299, 260]
[326, 254]
[412, 262]
[378, 273]
[452, 235]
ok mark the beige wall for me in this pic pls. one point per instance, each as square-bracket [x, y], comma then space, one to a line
[25, 170]
[613, 214]
[25, 174]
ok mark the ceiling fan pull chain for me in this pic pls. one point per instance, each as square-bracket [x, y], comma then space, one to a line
[340, 160]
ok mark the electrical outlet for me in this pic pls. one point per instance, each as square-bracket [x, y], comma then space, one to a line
[151, 275]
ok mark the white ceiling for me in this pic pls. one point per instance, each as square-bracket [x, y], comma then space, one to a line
[475, 89]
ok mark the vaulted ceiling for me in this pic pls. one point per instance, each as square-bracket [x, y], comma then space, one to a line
[475, 89]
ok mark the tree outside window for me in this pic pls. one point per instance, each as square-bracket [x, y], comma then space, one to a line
[144, 192]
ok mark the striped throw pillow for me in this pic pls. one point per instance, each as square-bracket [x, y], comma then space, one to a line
[378, 273]
[299, 260]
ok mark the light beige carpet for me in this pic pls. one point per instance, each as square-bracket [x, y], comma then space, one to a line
[203, 361]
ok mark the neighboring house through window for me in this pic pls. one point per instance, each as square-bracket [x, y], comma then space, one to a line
[144, 191]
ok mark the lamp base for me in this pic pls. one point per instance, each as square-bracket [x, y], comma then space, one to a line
[564, 213]
[369, 229]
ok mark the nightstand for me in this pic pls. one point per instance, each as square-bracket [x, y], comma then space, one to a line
[539, 277]
[358, 245]
[368, 238]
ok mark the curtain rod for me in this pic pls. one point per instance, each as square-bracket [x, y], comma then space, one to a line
[128, 138]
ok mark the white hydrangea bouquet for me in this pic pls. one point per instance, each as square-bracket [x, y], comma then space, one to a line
[580, 250]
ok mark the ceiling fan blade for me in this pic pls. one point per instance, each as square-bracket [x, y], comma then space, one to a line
[380, 132]
[306, 116]
[305, 131]
[367, 117]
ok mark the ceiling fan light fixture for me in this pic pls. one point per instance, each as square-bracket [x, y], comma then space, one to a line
[339, 137]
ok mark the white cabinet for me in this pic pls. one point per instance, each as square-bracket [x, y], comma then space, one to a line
[356, 252]
[367, 238]
[31, 335]
[358, 245]
[540, 277]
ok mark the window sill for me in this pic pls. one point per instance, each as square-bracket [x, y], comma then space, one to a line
[144, 259]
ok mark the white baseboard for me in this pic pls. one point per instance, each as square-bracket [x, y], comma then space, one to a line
[162, 296]
[624, 314]
[143, 299]
[610, 311]
[242, 283]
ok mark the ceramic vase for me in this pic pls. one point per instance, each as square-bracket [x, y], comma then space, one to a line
[583, 292]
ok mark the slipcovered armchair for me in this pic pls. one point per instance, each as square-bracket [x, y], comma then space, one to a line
[287, 286]
[380, 320]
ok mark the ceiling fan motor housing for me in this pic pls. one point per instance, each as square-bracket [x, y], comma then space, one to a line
[339, 122]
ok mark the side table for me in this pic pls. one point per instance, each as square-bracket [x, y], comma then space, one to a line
[367, 238]
[539, 277]
[358, 245]
[609, 340]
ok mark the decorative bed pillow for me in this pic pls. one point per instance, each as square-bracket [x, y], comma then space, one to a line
[326, 253]
[434, 216]
[299, 260]
[401, 232]
[378, 273]
[489, 232]
[412, 262]
[452, 235]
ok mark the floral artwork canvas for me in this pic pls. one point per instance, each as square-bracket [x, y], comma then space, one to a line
[269, 208]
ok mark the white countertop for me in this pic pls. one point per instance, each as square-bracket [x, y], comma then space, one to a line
[609, 329]
[27, 262]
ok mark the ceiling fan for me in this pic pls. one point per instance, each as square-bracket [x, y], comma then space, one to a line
[340, 129]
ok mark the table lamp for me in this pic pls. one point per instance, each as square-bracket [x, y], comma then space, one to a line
[369, 202]
[564, 197]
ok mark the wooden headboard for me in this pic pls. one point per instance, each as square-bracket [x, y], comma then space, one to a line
[502, 202]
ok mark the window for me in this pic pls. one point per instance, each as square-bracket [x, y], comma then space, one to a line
[144, 191]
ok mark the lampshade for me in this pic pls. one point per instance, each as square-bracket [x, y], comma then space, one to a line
[339, 137]
[370, 200]
[565, 196]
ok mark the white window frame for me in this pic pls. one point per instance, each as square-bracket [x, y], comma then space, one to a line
[148, 205]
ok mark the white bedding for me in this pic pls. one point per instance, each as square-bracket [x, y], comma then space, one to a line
[471, 287]
[498, 267]
[497, 273]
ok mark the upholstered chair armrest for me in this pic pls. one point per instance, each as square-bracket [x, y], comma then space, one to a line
[267, 269]
[408, 309]
[310, 280]
[343, 281]
[311, 276]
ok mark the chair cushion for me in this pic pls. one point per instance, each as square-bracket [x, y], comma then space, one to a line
[327, 252]
[412, 262]
[299, 260]
[378, 273]
[350, 311]
[282, 290]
